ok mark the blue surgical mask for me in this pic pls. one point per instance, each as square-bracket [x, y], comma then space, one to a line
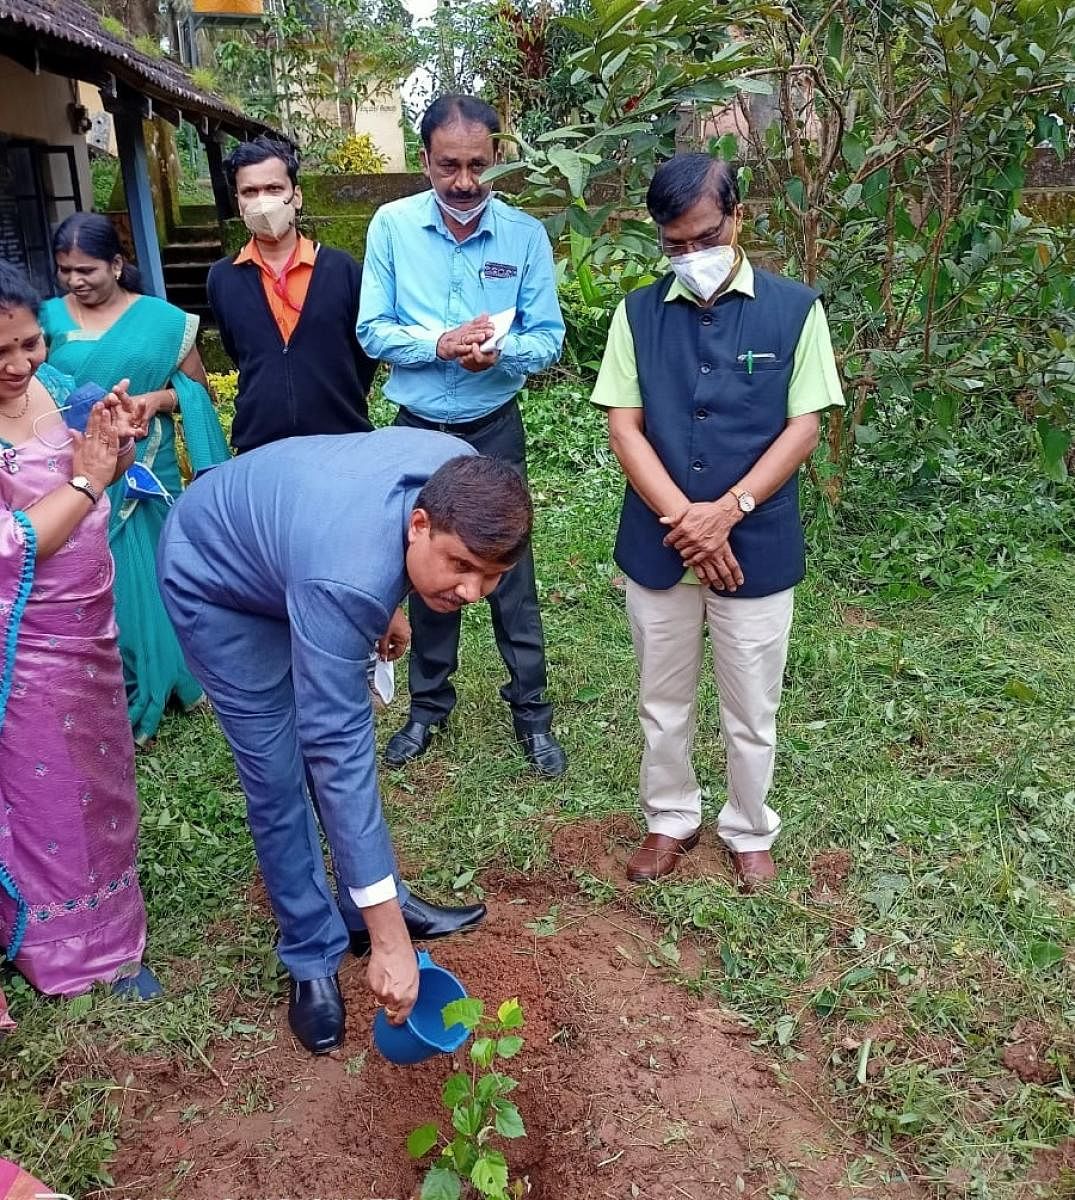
[142, 484]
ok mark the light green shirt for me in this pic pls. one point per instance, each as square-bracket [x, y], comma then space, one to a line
[814, 384]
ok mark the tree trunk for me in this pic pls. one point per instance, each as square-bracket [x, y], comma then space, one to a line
[139, 17]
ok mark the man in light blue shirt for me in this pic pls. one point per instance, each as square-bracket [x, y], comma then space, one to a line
[459, 298]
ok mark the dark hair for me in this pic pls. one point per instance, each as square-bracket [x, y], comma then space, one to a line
[447, 110]
[682, 181]
[261, 149]
[95, 235]
[484, 502]
[16, 291]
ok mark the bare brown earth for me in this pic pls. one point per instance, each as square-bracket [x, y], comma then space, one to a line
[629, 1085]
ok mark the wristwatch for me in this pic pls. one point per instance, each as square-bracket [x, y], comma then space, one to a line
[744, 499]
[81, 484]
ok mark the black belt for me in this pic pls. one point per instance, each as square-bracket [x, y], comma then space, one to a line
[459, 428]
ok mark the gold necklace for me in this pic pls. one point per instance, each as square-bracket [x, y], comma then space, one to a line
[22, 411]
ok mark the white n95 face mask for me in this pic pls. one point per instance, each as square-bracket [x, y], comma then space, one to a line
[704, 271]
[464, 215]
[269, 217]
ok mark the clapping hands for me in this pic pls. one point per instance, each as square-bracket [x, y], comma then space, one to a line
[130, 414]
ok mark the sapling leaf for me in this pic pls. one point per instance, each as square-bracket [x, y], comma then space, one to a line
[422, 1140]
[464, 1154]
[487, 1087]
[441, 1184]
[467, 1118]
[490, 1173]
[510, 1015]
[483, 1051]
[466, 1012]
[508, 1047]
[456, 1089]
[509, 1122]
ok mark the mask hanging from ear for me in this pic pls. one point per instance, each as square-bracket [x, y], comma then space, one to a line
[704, 272]
[270, 217]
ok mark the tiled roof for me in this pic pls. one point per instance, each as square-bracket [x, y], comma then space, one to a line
[67, 36]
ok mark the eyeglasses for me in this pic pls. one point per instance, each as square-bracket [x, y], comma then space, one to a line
[704, 241]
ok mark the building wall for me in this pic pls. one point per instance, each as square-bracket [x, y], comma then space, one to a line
[35, 106]
[381, 118]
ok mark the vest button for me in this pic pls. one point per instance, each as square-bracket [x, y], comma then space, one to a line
[701, 414]
[697, 465]
[705, 368]
[707, 319]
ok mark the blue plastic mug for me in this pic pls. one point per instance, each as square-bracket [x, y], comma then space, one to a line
[423, 1033]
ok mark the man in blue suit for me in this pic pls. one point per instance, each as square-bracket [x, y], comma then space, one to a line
[281, 571]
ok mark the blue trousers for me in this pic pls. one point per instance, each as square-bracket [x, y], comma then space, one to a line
[242, 660]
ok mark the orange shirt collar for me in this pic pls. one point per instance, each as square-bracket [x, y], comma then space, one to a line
[251, 252]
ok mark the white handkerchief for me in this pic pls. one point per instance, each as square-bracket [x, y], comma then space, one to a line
[501, 328]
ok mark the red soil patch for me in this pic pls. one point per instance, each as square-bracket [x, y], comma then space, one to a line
[1053, 1173]
[1026, 1054]
[858, 618]
[828, 873]
[629, 1086]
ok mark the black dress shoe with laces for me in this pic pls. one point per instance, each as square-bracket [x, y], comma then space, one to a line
[543, 752]
[427, 921]
[411, 742]
[315, 1013]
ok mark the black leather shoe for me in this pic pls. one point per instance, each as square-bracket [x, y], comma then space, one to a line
[315, 1013]
[410, 743]
[427, 921]
[543, 752]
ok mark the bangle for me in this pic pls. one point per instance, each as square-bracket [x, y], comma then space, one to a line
[125, 447]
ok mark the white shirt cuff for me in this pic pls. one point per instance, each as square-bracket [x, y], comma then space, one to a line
[376, 893]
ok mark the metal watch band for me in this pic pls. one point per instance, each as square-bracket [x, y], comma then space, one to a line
[83, 486]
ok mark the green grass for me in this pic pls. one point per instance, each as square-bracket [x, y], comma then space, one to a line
[928, 729]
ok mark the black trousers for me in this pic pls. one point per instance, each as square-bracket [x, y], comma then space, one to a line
[514, 606]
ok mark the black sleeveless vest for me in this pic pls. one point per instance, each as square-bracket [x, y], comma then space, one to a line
[714, 386]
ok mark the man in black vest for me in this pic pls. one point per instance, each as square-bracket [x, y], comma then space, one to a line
[714, 379]
[286, 309]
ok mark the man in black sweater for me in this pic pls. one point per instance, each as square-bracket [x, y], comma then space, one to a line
[286, 308]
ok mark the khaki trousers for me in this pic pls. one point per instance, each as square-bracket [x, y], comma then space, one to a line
[750, 646]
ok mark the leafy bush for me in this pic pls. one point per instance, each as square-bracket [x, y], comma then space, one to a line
[103, 173]
[225, 387]
[356, 155]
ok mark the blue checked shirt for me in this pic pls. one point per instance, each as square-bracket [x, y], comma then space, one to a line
[417, 282]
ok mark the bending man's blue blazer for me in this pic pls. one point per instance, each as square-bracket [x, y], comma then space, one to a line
[280, 570]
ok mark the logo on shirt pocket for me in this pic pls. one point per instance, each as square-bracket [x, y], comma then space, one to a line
[495, 270]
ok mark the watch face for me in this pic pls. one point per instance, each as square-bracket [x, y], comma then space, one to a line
[746, 502]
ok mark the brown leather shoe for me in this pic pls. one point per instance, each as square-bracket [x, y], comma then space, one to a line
[754, 869]
[659, 855]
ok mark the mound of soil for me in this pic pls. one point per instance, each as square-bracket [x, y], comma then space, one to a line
[629, 1087]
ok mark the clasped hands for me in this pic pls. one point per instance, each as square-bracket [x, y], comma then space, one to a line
[463, 344]
[699, 533]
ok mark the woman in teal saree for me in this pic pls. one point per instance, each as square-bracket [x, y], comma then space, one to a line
[104, 330]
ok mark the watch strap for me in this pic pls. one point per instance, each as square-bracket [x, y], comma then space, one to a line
[81, 484]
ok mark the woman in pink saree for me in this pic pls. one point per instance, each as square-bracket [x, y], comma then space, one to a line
[71, 911]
